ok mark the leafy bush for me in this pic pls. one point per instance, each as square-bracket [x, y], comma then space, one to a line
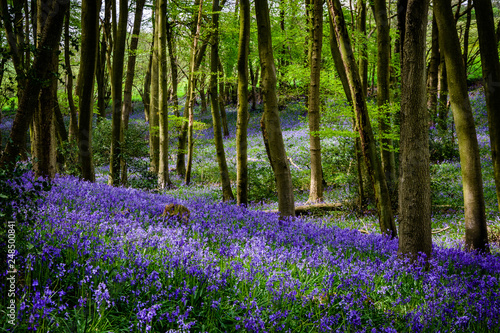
[261, 182]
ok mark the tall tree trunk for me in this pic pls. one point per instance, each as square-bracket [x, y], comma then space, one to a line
[102, 53]
[173, 67]
[414, 181]
[163, 176]
[116, 92]
[90, 17]
[465, 55]
[271, 117]
[316, 186]
[254, 84]
[73, 122]
[243, 115]
[44, 143]
[370, 154]
[190, 97]
[443, 94]
[129, 80]
[491, 77]
[476, 236]
[383, 91]
[432, 75]
[154, 121]
[222, 107]
[146, 96]
[362, 43]
[227, 193]
[49, 41]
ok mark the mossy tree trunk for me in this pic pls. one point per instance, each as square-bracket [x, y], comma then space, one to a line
[316, 31]
[243, 115]
[414, 181]
[371, 156]
[271, 117]
[491, 77]
[227, 193]
[476, 235]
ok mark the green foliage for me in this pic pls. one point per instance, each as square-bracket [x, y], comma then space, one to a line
[135, 145]
[71, 166]
[261, 181]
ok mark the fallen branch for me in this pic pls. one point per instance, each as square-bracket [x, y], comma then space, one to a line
[364, 231]
[302, 210]
[440, 230]
[295, 165]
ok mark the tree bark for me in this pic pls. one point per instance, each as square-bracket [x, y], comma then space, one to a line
[73, 122]
[363, 52]
[414, 181]
[102, 52]
[190, 96]
[370, 154]
[271, 114]
[383, 91]
[491, 77]
[116, 93]
[476, 235]
[49, 41]
[222, 108]
[227, 193]
[316, 186]
[154, 121]
[163, 176]
[129, 80]
[432, 75]
[243, 115]
[173, 67]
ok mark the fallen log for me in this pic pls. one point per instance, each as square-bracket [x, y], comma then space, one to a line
[306, 209]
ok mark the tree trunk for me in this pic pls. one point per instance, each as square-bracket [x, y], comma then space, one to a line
[363, 52]
[370, 154]
[254, 84]
[129, 80]
[491, 77]
[222, 108]
[163, 176]
[90, 19]
[271, 114]
[173, 67]
[316, 186]
[383, 91]
[48, 42]
[102, 52]
[476, 237]
[227, 193]
[443, 94]
[73, 122]
[190, 96]
[414, 181]
[146, 96]
[116, 93]
[154, 139]
[432, 75]
[243, 115]
[465, 55]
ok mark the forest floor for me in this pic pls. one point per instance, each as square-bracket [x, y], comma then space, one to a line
[97, 258]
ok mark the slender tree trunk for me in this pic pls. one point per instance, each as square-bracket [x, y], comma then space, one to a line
[243, 115]
[173, 67]
[129, 80]
[476, 236]
[432, 75]
[49, 41]
[316, 186]
[163, 176]
[443, 94]
[363, 51]
[227, 193]
[101, 61]
[465, 55]
[383, 91]
[222, 107]
[154, 121]
[271, 118]
[414, 184]
[370, 154]
[73, 122]
[491, 77]
[254, 83]
[116, 93]
[190, 97]
[146, 97]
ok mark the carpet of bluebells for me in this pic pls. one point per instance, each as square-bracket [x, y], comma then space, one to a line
[95, 258]
[103, 259]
